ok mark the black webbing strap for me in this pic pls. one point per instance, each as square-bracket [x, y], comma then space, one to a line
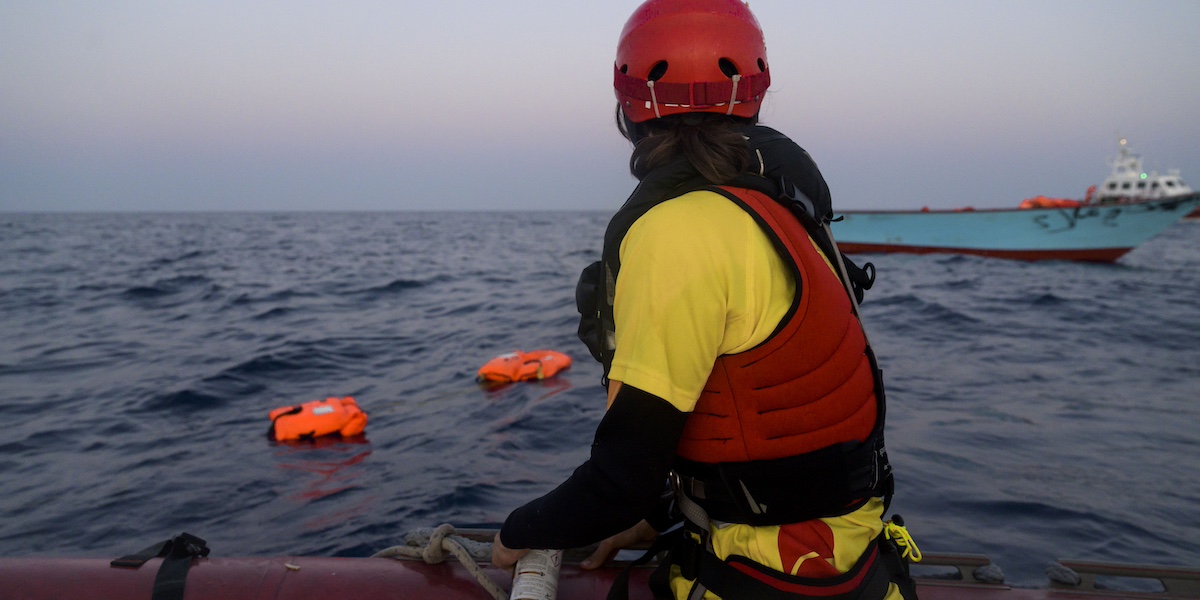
[177, 554]
[663, 543]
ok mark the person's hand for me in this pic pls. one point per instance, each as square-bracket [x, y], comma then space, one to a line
[642, 532]
[505, 557]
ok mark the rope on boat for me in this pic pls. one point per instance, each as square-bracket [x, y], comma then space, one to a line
[431, 545]
[1058, 573]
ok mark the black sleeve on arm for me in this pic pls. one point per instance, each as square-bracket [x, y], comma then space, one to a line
[617, 487]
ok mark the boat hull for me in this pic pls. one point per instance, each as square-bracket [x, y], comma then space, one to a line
[1090, 232]
[277, 578]
[322, 578]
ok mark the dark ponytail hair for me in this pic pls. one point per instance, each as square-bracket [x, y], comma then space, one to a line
[711, 142]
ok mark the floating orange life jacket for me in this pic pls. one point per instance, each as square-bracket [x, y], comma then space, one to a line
[523, 366]
[317, 418]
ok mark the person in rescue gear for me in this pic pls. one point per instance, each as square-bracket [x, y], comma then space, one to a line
[736, 364]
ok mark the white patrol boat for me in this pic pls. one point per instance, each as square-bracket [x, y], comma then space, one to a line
[1129, 182]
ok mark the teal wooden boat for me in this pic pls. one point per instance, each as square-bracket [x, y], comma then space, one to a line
[1127, 209]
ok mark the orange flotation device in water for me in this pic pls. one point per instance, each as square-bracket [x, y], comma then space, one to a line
[523, 366]
[317, 418]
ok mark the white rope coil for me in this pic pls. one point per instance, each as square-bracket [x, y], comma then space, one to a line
[431, 546]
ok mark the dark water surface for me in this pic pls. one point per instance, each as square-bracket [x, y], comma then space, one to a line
[1037, 410]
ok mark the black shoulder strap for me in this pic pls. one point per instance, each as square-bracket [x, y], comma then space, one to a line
[808, 212]
[177, 554]
[664, 183]
[776, 157]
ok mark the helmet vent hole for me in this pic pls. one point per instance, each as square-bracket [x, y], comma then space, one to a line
[657, 71]
[625, 69]
[727, 67]
[762, 66]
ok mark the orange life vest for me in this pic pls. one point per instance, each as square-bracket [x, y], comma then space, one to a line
[523, 366]
[1044, 202]
[809, 386]
[317, 418]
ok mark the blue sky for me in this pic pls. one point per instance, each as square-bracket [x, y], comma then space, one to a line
[399, 105]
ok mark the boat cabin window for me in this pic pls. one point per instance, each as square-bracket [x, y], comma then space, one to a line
[1126, 185]
[1112, 185]
[1141, 185]
[1170, 183]
[1154, 186]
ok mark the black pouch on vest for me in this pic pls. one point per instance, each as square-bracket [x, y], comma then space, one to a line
[587, 302]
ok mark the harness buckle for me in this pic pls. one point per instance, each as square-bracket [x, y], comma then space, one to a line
[191, 545]
[880, 467]
[875, 468]
[688, 486]
[676, 482]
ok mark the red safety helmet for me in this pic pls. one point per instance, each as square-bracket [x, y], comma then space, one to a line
[682, 56]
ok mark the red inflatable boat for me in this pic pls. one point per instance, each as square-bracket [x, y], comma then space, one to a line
[318, 578]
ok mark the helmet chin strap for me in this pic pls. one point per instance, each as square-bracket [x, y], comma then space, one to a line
[634, 132]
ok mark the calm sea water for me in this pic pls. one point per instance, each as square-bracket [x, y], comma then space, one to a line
[1036, 410]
